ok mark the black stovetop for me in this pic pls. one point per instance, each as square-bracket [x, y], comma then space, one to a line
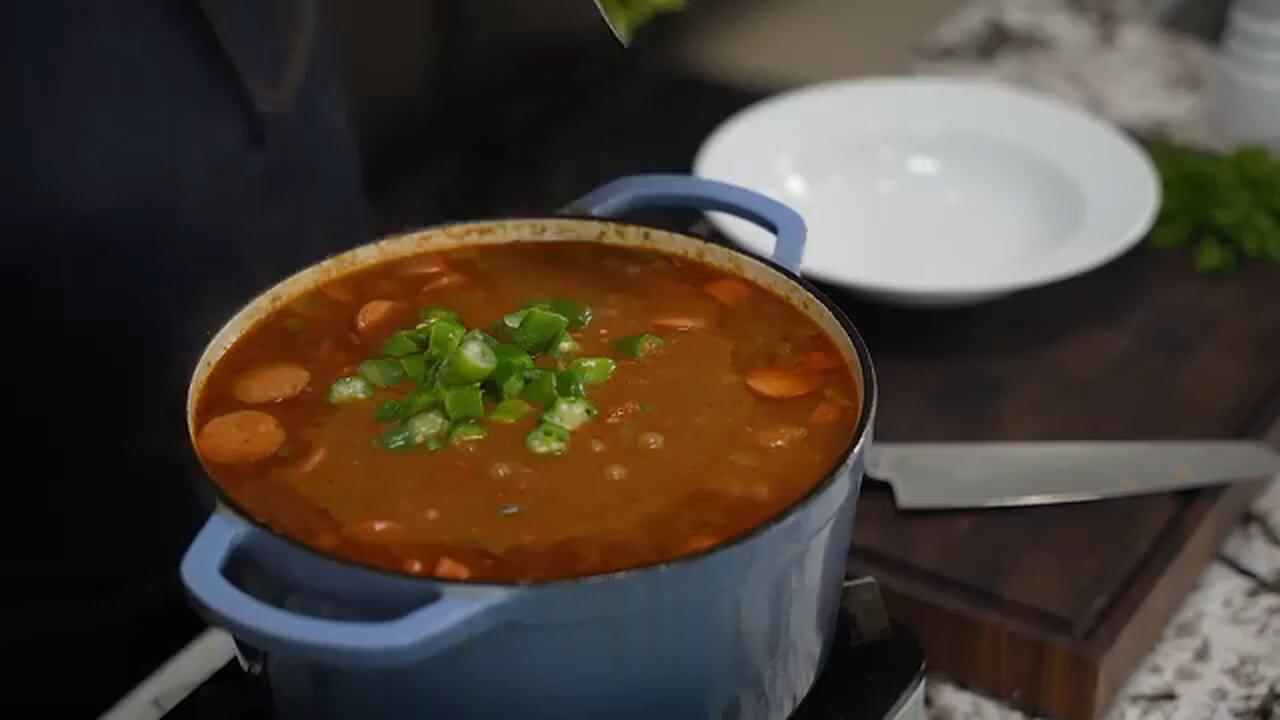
[864, 681]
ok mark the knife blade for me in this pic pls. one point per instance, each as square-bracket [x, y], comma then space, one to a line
[937, 476]
[625, 17]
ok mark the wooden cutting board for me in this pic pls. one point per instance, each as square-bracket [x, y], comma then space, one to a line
[1051, 608]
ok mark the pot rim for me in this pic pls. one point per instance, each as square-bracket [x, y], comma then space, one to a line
[857, 440]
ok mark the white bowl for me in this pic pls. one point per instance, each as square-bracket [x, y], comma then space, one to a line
[931, 191]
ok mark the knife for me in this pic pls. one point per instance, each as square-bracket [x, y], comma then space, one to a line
[939, 476]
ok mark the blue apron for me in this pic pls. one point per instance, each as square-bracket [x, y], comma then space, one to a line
[163, 161]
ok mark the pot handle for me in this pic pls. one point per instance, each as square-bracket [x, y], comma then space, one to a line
[459, 612]
[685, 191]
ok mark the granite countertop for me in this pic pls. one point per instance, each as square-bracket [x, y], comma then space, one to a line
[1220, 655]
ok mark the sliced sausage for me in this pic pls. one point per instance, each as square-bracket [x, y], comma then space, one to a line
[446, 279]
[450, 569]
[429, 264]
[826, 413]
[730, 292]
[374, 313]
[270, 383]
[240, 438]
[781, 383]
[680, 323]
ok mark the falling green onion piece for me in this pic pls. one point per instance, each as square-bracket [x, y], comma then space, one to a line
[637, 346]
[415, 366]
[482, 336]
[466, 432]
[539, 386]
[401, 343]
[569, 384]
[578, 315]
[547, 439]
[388, 410]
[430, 315]
[569, 413]
[423, 426]
[538, 330]
[417, 401]
[396, 438]
[509, 411]
[464, 403]
[564, 346]
[383, 372]
[472, 362]
[446, 336]
[350, 389]
[593, 371]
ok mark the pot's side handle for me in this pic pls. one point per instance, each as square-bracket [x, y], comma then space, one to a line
[459, 612]
[637, 192]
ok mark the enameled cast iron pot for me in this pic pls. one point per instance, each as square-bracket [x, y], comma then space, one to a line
[738, 631]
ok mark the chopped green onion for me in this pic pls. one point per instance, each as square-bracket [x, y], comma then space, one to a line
[417, 401]
[569, 413]
[508, 376]
[564, 346]
[472, 362]
[569, 384]
[430, 315]
[388, 410]
[464, 403]
[637, 346]
[578, 315]
[509, 411]
[538, 330]
[512, 320]
[547, 439]
[593, 371]
[401, 343]
[383, 372]
[482, 336]
[415, 366]
[446, 336]
[426, 425]
[349, 389]
[433, 443]
[539, 386]
[396, 438]
[466, 432]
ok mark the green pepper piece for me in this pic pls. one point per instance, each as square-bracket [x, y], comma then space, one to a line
[637, 346]
[466, 432]
[395, 438]
[593, 371]
[425, 425]
[539, 386]
[446, 336]
[401, 343]
[538, 330]
[415, 366]
[388, 410]
[569, 384]
[472, 362]
[578, 315]
[569, 413]
[383, 372]
[464, 403]
[564, 346]
[350, 389]
[509, 411]
[547, 439]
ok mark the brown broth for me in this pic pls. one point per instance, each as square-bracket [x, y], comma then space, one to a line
[729, 458]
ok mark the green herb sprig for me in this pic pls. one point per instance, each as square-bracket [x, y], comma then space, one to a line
[1224, 208]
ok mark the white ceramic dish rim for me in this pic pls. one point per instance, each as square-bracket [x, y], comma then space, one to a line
[1125, 153]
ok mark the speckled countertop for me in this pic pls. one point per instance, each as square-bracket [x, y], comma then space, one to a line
[1220, 656]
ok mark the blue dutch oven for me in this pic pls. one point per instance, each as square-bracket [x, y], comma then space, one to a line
[740, 630]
